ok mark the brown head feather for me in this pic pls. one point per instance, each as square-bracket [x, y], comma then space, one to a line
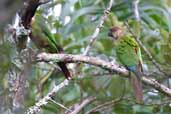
[116, 32]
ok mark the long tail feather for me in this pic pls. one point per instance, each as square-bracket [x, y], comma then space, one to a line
[137, 89]
[64, 69]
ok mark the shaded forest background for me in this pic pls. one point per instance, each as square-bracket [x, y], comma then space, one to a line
[25, 81]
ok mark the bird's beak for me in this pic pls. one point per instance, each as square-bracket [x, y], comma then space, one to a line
[110, 34]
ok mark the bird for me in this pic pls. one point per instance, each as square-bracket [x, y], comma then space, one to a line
[128, 54]
[43, 38]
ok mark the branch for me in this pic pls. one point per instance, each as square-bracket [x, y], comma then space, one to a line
[103, 64]
[104, 105]
[43, 101]
[98, 28]
[137, 17]
[62, 106]
[22, 27]
[79, 106]
[28, 11]
[47, 98]
[96, 32]
[20, 33]
[46, 57]
[136, 12]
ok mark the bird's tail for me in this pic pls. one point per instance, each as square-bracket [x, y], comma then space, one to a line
[64, 69]
[63, 65]
[137, 88]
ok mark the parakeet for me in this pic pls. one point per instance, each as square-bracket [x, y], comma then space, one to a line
[44, 39]
[129, 54]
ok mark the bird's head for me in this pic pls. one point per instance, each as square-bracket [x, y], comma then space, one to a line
[115, 32]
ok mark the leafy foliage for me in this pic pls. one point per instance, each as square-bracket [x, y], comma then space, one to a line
[72, 28]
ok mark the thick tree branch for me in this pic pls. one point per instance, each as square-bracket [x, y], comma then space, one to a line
[21, 29]
[43, 101]
[103, 64]
[20, 33]
[84, 59]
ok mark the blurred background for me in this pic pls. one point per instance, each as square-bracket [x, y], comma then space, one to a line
[73, 22]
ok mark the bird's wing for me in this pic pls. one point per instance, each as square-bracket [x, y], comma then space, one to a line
[137, 51]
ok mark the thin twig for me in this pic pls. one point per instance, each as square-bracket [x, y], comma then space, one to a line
[111, 103]
[148, 54]
[136, 12]
[68, 58]
[165, 102]
[98, 28]
[80, 106]
[137, 17]
[60, 105]
[48, 97]
[44, 100]
[95, 33]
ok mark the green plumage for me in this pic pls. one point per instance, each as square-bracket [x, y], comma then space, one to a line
[45, 40]
[129, 54]
[128, 51]
[41, 30]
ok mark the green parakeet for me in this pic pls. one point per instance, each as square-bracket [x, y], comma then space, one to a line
[45, 40]
[129, 54]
